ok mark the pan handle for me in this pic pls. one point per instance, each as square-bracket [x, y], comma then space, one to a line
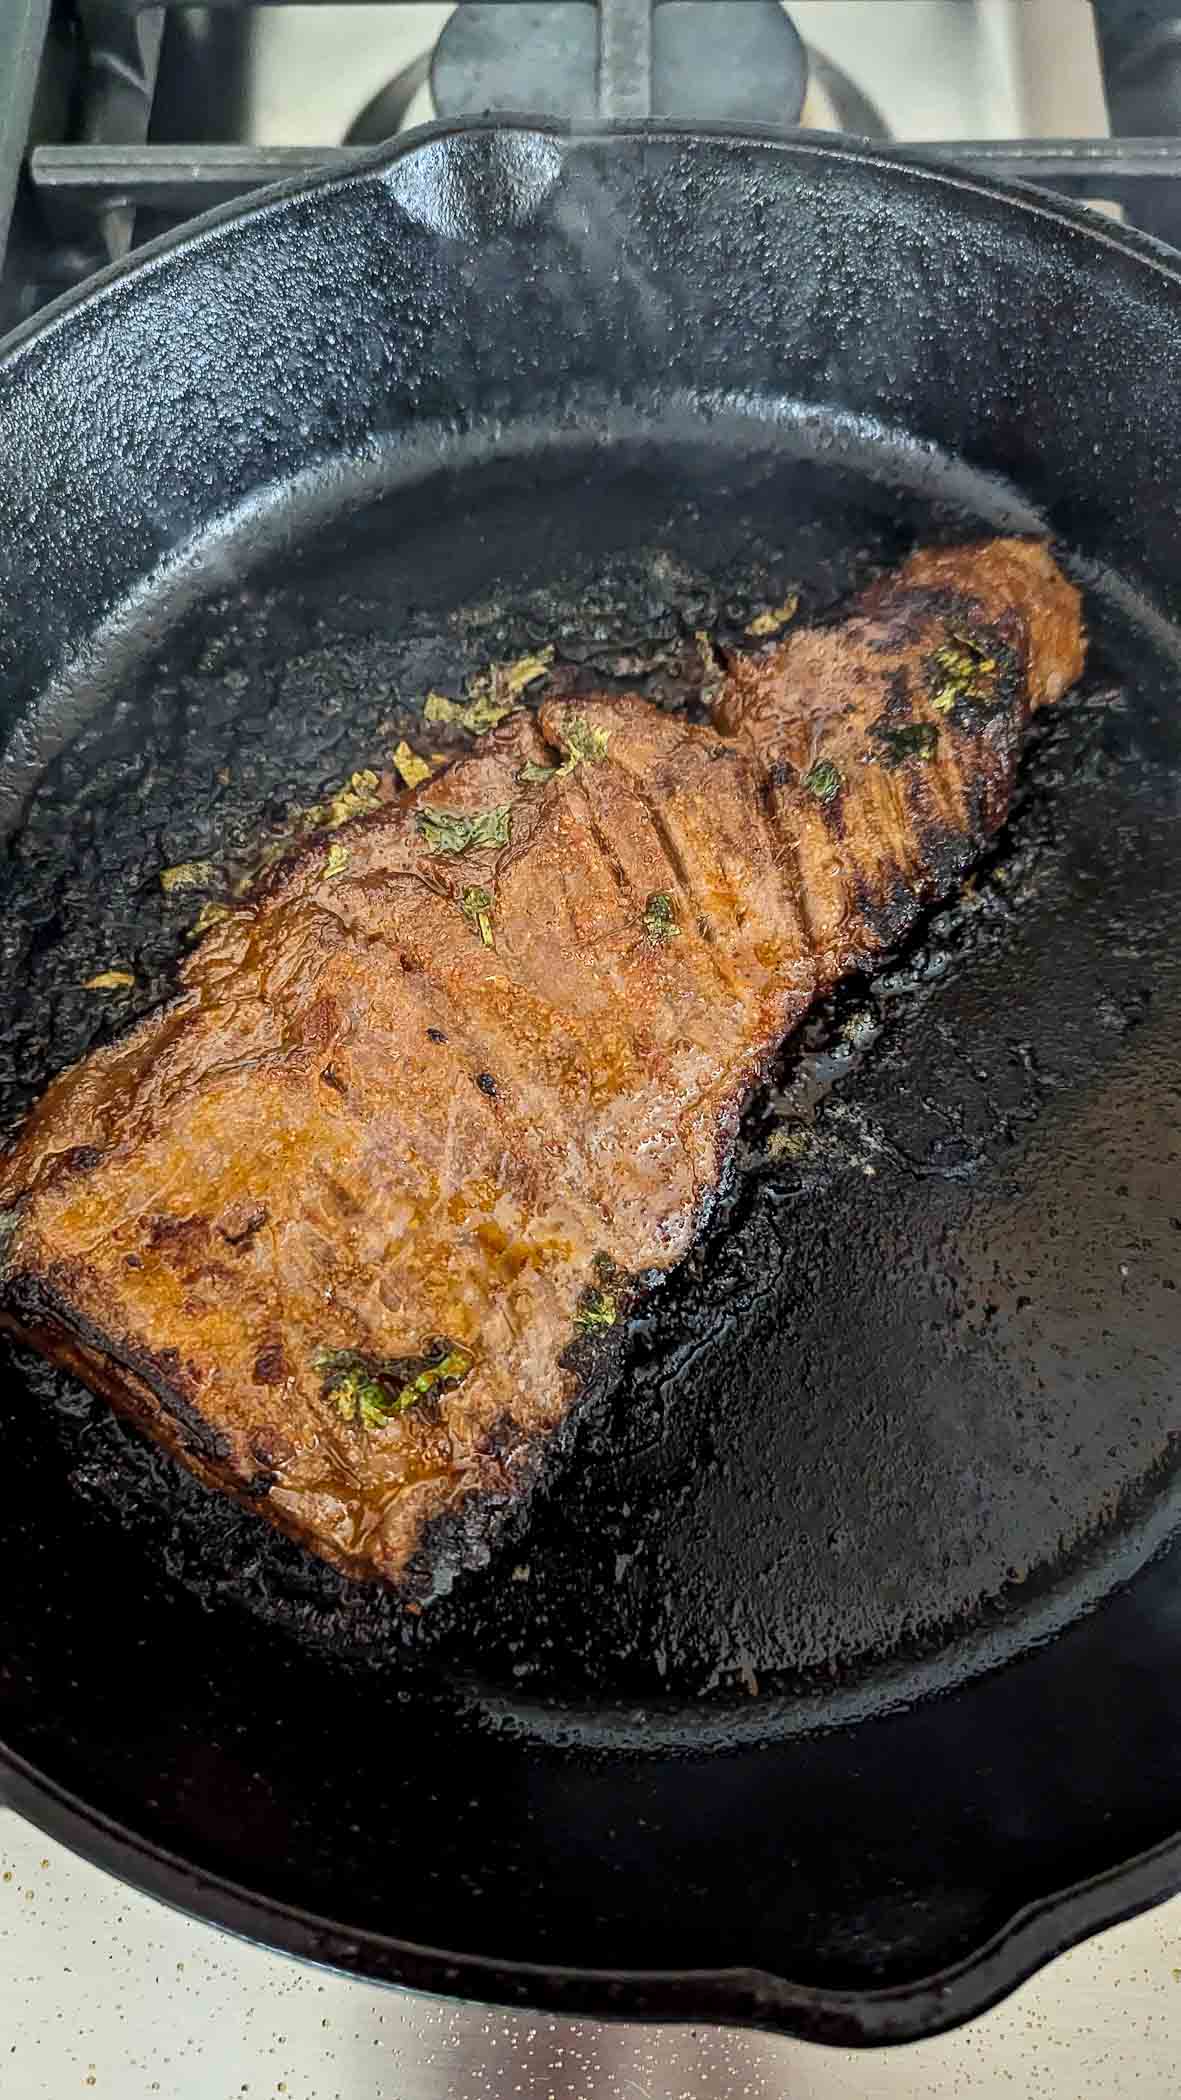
[470, 185]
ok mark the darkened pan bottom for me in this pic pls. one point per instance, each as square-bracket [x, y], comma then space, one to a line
[909, 1404]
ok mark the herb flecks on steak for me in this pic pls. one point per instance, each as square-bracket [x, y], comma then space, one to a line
[489, 1030]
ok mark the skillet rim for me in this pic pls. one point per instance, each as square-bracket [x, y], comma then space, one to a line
[839, 146]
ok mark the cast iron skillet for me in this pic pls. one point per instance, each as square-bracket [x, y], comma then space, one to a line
[761, 1718]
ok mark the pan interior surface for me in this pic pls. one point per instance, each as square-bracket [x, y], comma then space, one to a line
[910, 1407]
[910, 1403]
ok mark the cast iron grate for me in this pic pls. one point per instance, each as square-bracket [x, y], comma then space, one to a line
[81, 178]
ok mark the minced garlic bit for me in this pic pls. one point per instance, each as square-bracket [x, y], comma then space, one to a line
[362, 792]
[713, 670]
[775, 617]
[492, 694]
[190, 875]
[412, 770]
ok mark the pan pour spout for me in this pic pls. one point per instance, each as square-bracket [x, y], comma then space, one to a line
[349, 1225]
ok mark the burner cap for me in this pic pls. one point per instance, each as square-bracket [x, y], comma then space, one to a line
[741, 63]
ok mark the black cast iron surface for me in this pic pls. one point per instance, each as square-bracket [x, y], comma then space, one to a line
[911, 1407]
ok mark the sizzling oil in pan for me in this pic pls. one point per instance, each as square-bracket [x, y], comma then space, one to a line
[911, 1401]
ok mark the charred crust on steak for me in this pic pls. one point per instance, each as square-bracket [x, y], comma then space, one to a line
[180, 1236]
[896, 622]
[39, 1308]
[270, 1365]
[899, 707]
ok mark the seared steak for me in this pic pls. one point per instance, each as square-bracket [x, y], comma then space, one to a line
[434, 1099]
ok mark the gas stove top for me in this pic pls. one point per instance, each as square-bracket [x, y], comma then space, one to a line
[119, 120]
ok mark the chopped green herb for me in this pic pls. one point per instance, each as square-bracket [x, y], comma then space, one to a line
[438, 708]
[823, 781]
[791, 1141]
[912, 740]
[337, 860]
[476, 716]
[476, 905]
[360, 1397]
[448, 1369]
[660, 919]
[361, 792]
[596, 1309]
[775, 617]
[492, 695]
[524, 670]
[961, 669]
[372, 1393]
[584, 745]
[458, 831]
[486, 712]
[712, 669]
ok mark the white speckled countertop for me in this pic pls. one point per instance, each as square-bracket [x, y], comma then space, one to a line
[105, 1991]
